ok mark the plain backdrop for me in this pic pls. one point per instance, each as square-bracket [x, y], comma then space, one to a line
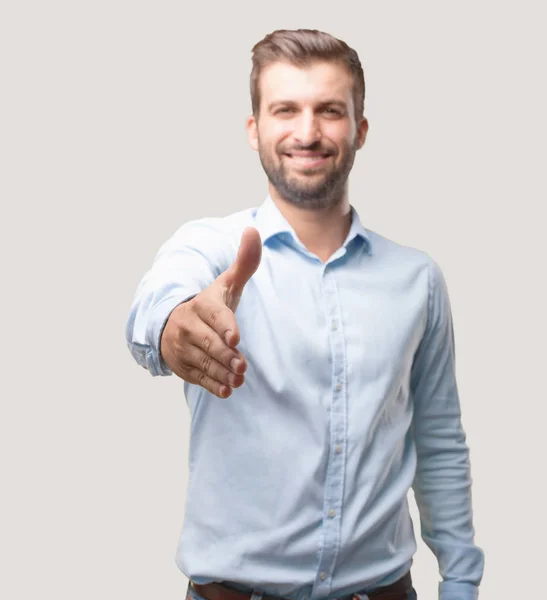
[119, 121]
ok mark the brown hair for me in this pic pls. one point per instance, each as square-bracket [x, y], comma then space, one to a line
[301, 47]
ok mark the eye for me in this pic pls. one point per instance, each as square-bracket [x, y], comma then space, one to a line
[284, 110]
[332, 112]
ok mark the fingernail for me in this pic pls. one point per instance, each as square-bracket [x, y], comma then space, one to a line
[235, 363]
[227, 335]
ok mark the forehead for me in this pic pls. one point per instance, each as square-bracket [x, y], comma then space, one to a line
[318, 82]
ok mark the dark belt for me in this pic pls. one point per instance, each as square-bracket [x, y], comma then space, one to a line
[217, 591]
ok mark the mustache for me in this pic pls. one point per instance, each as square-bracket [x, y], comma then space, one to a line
[313, 147]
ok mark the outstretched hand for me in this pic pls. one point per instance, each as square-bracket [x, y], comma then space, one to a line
[200, 337]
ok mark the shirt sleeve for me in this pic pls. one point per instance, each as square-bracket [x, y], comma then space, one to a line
[184, 266]
[442, 485]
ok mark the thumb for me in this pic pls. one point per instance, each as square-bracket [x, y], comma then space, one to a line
[235, 278]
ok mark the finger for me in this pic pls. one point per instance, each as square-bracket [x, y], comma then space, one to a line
[218, 317]
[236, 277]
[195, 376]
[206, 338]
[196, 358]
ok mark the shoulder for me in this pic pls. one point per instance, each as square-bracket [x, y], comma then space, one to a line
[412, 262]
[210, 229]
[385, 249]
[211, 232]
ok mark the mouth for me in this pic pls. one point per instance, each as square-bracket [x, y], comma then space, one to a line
[308, 160]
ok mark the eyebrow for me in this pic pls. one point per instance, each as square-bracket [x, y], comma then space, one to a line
[322, 104]
[333, 103]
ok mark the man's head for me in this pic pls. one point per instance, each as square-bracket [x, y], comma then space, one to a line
[307, 94]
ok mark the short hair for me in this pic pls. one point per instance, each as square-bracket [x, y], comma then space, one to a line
[302, 47]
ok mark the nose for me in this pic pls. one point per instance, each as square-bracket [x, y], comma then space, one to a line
[307, 129]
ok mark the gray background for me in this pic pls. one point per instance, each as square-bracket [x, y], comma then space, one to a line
[119, 121]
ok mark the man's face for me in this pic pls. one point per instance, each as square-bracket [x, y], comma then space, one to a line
[306, 133]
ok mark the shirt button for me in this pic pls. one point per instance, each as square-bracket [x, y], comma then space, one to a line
[338, 387]
[334, 326]
[322, 576]
[338, 449]
[332, 513]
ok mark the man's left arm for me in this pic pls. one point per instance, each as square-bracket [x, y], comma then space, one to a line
[442, 485]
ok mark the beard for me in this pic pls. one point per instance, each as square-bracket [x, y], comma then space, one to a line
[309, 188]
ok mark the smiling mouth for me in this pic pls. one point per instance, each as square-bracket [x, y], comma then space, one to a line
[308, 158]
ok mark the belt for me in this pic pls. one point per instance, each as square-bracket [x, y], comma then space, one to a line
[217, 591]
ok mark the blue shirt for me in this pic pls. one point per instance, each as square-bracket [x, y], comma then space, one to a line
[298, 481]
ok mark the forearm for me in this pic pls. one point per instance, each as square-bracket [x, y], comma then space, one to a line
[185, 265]
[443, 494]
[147, 318]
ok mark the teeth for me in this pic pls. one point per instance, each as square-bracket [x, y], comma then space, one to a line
[307, 158]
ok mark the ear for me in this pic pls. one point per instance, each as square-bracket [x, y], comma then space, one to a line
[362, 130]
[252, 132]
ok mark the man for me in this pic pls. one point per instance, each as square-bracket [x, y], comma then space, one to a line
[318, 363]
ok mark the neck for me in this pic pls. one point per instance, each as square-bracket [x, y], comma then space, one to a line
[321, 230]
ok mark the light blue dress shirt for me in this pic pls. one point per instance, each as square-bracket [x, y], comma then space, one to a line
[298, 481]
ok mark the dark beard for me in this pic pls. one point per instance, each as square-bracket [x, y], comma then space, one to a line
[323, 194]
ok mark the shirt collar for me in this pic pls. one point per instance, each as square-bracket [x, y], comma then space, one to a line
[271, 223]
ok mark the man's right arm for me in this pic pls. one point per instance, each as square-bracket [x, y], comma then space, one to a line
[182, 317]
[183, 266]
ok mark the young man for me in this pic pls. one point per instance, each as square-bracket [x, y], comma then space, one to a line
[318, 363]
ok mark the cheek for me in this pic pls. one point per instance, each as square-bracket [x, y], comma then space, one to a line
[273, 133]
[342, 134]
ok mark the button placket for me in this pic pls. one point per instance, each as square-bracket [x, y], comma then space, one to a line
[337, 411]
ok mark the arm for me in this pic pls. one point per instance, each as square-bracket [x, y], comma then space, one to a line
[184, 266]
[442, 485]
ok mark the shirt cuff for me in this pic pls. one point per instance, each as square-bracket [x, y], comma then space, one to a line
[154, 361]
[452, 590]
